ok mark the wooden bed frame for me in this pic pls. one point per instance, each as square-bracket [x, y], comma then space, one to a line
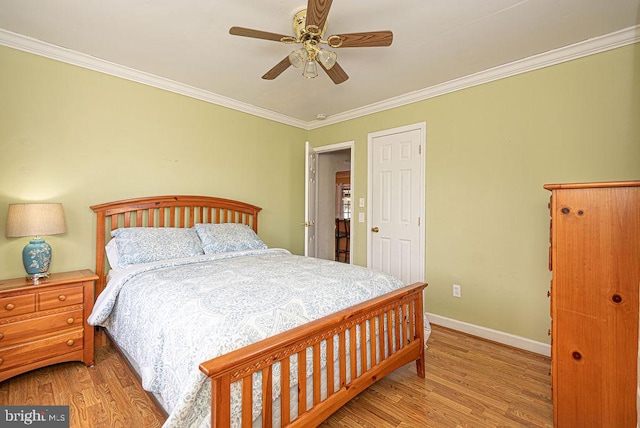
[393, 321]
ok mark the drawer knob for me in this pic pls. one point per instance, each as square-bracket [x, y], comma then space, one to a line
[616, 298]
[565, 210]
[576, 355]
[1, 336]
[62, 297]
[70, 342]
[69, 320]
[9, 306]
[1, 360]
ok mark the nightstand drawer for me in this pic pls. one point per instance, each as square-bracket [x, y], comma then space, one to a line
[28, 330]
[60, 297]
[17, 305]
[49, 347]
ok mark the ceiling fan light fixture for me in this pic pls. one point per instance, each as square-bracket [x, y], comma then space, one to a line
[298, 57]
[310, 69]
[327, 58]
[310, 33]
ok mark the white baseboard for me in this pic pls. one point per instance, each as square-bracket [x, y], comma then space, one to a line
[493, 335]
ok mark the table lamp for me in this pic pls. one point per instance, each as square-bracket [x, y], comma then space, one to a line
[35, 220]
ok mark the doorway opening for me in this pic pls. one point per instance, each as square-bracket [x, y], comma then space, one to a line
[334, 202]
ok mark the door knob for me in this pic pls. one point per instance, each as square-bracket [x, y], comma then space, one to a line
[375, 229]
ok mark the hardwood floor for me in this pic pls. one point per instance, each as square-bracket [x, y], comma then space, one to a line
[470, 382]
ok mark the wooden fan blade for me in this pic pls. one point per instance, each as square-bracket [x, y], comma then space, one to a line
[256, 34]
[277, 69]
[363, 40]
[317, 12]
[336, 73]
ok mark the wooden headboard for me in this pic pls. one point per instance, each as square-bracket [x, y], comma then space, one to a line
[164, 211]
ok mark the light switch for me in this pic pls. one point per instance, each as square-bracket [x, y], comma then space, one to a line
[361, 202]
[361, 217]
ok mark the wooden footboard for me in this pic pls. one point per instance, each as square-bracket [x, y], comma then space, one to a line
[389, 331]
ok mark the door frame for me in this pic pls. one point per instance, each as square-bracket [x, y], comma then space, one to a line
[422, 127]
[328, 148]
[310, 201]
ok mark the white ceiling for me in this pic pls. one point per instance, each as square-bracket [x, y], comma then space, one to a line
[186, 43]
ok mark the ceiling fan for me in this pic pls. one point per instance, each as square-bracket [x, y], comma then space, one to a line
[309, 26]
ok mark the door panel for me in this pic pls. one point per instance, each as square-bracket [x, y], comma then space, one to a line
[396, 202]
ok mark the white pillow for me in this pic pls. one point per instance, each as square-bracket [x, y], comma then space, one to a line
[112, 254]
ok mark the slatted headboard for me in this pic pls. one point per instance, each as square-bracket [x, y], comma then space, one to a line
[165, 211]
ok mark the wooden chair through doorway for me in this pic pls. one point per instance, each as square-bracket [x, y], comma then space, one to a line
[342, 239]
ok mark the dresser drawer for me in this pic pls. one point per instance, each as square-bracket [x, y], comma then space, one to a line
[42, 349]
[28, 330]
[60, 297]
[17, 305]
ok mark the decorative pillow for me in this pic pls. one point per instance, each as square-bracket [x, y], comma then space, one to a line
[150, 244]
[226, 237]
[112, 254]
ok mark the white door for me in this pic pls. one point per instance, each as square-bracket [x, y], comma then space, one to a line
[310, 165]
[396, 202]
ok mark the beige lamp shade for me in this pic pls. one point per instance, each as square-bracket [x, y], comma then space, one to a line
[35, 220]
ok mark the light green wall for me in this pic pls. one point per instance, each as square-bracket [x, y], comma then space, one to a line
[71, 135]
[79, 137]
[490, 149]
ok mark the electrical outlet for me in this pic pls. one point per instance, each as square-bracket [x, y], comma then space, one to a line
[456, 291]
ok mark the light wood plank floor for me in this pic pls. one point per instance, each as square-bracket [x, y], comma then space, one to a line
[470, 382]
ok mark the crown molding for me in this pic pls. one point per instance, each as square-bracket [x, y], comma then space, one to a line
[610, 41]
[37, 47]
[582, 49]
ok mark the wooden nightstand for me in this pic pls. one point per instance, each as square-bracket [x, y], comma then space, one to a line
[46, 323]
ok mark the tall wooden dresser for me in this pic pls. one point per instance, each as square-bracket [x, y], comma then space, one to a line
[595, 260]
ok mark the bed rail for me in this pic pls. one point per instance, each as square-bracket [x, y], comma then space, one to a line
[394, 324]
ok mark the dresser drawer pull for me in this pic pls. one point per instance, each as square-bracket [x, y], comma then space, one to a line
[70, 342]
[1, 336]
[616, 298]
[62, 297]
[1, 360]
[70, 320]
[9, 306]
[576, 355]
